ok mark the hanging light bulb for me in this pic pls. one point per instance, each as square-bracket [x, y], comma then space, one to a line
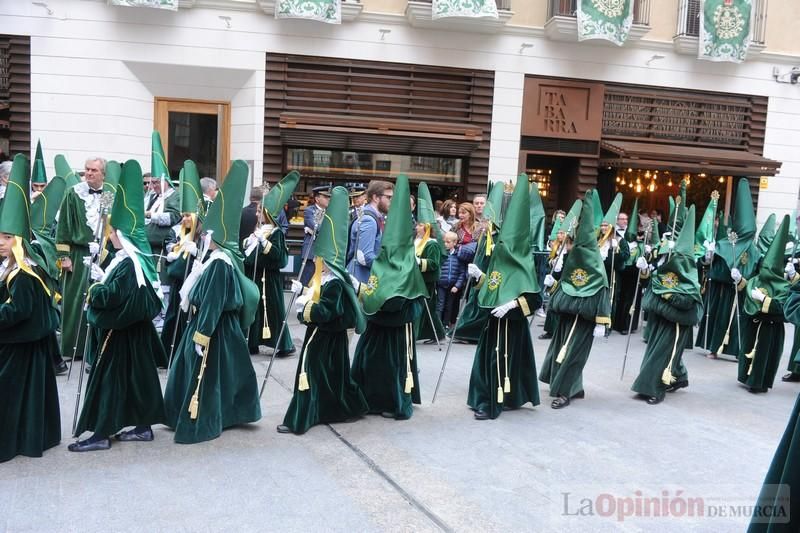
[638, 188]
[652, 186]
[623, 182]
[618, 178]
[630, 184]
[702, 174]
[722, 179]
[638, 181]
[669, 183]
[630, 170]
[647, 174]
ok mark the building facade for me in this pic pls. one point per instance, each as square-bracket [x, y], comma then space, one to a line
[454, 102]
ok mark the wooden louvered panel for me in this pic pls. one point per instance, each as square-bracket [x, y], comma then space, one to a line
[18, 92]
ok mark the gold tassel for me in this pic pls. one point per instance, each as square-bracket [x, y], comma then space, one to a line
[507, 383]
[666, 376]
[302, 382]
[409, 383]
[194, 403]
[265, 331]
[499, 394]
[562, 353]
[193, 406]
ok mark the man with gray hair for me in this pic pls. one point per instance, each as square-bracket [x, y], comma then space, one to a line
[5, 170]
[209, 186]
[78, 235]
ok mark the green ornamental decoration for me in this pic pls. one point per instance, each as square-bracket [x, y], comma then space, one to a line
[609, 20]
[171, 5]
[464, 8]
[328, 11]
[725, 30]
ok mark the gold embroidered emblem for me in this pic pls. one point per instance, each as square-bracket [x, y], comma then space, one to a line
[610, 8]
[372, 285]
[495, 279]
[744, 258]
[579, 277]
[670, 280]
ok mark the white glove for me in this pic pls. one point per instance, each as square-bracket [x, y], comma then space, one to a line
[790, 270]
[308, 230]
[356, 284]
[641, 263]
[297, 287]
[648, 248]
[360, 258]
[632, 245]
[599, 331]
[709, 256]
[710, 246]
[301, 301]
[757, 295]
[97, 273]
[670, 244]
[736, 276]
[549, 281]
[614, 243]
[604, 251]
[94, 249]
[501, 310]
[559, 264]
[190, 247]
[198, 349]
[419, 261]
[172, 256]
[474, 271]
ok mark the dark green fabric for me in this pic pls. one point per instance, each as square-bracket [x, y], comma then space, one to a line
[332, 395]
[474, 318]
[279, 194]
[493, 210]
[45, 207]
[745, 254]
[38, 172]
[766, 234]
[127, 217]
[30, 421]
[225, 213]
[379, 364]
[537, 216]
[15, 210]
[515, 337]
[229, 390]
[158, 162]
[721, 292]
[191, 192]
[593, 199]
[570, 223]
[678, 273]
[432, 255]
[770, 278]
[113, 175]
[123, 388]
[705, 230]
[791, 311]
[758, 372]
[170, 337]
[583, 273]
[511, 271]
[65, 171]
[270, 286]
[610, 217]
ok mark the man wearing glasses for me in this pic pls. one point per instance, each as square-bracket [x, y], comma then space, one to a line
[366, 233]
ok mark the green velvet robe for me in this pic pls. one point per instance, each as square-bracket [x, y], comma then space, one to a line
[765, 332]
[791, 310]
[229, 390]
[721, 292]
[514, 340]
[431, 264]
[270, 285]
[379, 364]
[30, 421]
[784, 470]
[170, 337]
[566, 378]
[123, 388]
[73, 236]
[332, 395]
[474, 318]
[667, 318]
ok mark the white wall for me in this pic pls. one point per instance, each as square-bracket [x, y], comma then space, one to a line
[91, 94]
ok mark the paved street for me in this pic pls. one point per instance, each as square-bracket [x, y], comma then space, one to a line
[527, 471]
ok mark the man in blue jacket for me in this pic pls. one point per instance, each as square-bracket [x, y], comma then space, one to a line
[366, 231]
[312, 218]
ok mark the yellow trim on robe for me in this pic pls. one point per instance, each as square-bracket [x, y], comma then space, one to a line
[201, 339]
[267, 248]
[765, 305]
[63, 248]
[423, 265]
[307, 311]
[741, 285]
[480, 281]
[523, 305]
[603, 320]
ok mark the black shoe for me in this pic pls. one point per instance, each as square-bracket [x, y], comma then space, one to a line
[652, 400]
[677, 385]
[545, 336]
[430, 341]
[285, 353]
[283, 429]
[90, 445]
[579, 395]
[135, 435]
[481, 415]
[387, 414]
[791, 377]
[756, 390]
[623, 332]
[560, 402]
[61, 368]
[88, 369]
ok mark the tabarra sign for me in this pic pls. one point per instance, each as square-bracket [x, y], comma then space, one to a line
[562, 109]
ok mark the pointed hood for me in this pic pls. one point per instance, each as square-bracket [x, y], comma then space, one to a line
[225, 213]
[583, 273]
[770, 278]
[279, 194]
[427, 215]
[113, 175]
[331, 245]
[192, 201]
[394, 272]
[705, 231]
[744, 216]
[766, 234]
[38, 172]
[633, 223]
[570, 222]
[678, 274]
[158, 162]
[127, 217]
[47, 204]
[493, 210]
[65, 171]
[511, 272]
[597, 209]
[537, 217]
[610, 217]
[745, 256]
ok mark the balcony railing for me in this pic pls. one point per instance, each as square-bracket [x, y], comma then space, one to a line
[569, 8]
[502, 5]
[689, 20]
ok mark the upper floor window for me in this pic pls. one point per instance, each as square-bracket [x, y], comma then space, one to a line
[689, 19]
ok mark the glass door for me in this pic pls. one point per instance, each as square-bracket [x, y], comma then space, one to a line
[196, 130]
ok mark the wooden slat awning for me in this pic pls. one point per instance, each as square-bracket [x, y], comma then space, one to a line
[370, 134]
[685, 158]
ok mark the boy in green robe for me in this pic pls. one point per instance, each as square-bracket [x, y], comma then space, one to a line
[763, 330]
[123, 388]
[583, 310]
[428, 250]
[30, 421]
[265, 251]
[212, 384]
[324, 392]
[674, 306]
[504, 369]
[385, 361]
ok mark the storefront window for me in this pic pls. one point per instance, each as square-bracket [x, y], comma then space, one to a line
[368, 165]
